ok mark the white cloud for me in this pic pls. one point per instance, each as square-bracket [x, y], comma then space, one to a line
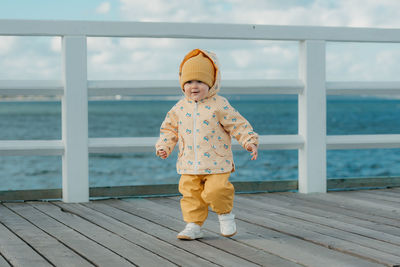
[152, 10]
[356, 13]
[101, 58]
[242, 57]
[363, 61]
[146, 58]
[29, 58]
[7, 44]
[140, 56]
[103, 8]
[280, 50]
[278, 61]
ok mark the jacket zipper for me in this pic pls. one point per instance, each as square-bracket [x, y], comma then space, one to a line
[194, 138]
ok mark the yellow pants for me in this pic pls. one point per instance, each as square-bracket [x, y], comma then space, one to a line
[201, 191]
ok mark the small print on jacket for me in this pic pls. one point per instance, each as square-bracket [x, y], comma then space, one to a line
[204, 130]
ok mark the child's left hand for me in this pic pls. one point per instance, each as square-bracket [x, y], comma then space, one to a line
[254, 151]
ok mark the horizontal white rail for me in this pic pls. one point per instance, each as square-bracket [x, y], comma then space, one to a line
[363, 88]
[122, 145]
[31, 87]
[146, 144]
[195, 31]
[277, 142]
[128, 145]
[31, 147]
[363, 141]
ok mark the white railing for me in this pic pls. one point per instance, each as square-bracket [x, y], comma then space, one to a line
[311, 88]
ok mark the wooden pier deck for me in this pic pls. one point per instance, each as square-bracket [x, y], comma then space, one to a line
[353, 228]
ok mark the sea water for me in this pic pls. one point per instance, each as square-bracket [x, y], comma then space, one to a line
[269, 115]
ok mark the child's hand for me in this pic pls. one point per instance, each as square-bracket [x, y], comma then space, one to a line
[162, 153]
[254, 151]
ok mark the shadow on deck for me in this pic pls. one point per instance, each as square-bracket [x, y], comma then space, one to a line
[355, 228]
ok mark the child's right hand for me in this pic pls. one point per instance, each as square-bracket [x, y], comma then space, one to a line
[254, 151]
[162, 154]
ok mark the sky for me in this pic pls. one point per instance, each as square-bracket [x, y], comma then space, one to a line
[146, 58]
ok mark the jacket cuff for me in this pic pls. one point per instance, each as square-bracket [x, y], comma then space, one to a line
[165, 148]
[253, 140]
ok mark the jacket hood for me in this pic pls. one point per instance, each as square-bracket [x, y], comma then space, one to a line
[210, 55]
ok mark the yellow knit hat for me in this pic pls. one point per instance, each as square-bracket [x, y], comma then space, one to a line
[198, 68]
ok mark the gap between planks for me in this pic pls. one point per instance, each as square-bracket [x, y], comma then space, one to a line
[296, 249]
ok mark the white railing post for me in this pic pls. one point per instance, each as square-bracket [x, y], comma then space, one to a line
[75, 170]
[312, 117]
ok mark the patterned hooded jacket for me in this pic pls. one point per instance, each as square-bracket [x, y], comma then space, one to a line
[204, 129]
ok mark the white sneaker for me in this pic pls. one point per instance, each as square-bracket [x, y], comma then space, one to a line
[192, 231]
[227, 224]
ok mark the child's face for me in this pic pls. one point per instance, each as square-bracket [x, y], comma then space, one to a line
[196, 90]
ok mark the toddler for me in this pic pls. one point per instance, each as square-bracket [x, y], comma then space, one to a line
[203, 123]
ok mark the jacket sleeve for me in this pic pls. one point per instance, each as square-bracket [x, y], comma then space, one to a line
[168, 133]
[236, 125]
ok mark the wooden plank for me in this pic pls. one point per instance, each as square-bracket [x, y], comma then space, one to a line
[324, 236]
[284, 208]
[3, 262]
[36, 194]
[212, 246]
[357, 183]
[372, 202]
[327, 210]
[375, 194]
[356, 205]
[17, 252]
[136, 190]
[172, 189]
[87, 248]
[50, 248]
[384, 209]
[265, 186]
[286, 246]
[390, 194]
[147, 241]
[131, 252]
[143, 190]
[240, 187]
[337, 240]
[122, 212]
[231, 246]
[387, 192]
[367, 216]
[344, 240]
[165, 234]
